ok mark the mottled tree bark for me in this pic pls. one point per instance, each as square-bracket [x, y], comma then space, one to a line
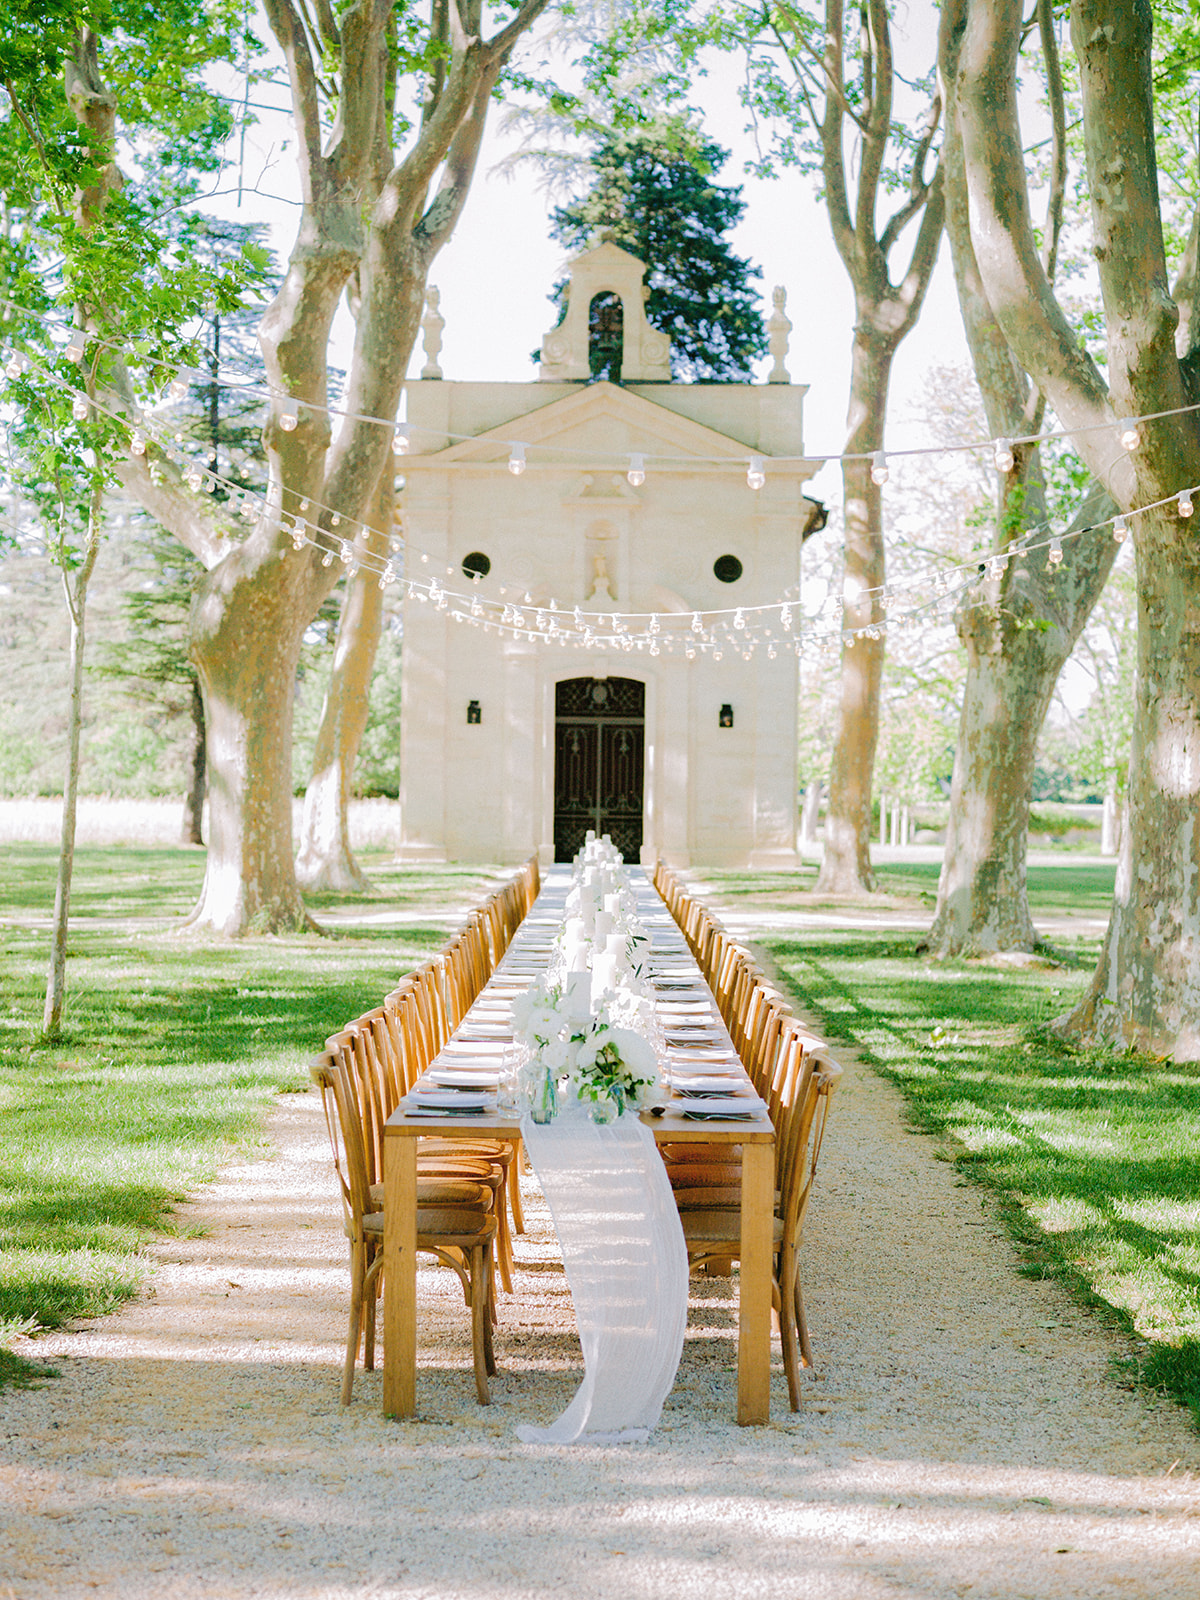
[325, 859]
[192, 831]
[1146, 990]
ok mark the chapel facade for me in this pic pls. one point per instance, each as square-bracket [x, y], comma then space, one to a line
[511, 744]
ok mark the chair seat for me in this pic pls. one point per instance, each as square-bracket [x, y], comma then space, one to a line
[719, 1228]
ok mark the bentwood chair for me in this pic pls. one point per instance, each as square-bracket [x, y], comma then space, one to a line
[455, 1222]
[715, 1233]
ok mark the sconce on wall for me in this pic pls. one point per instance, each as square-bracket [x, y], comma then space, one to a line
[725, 720]
[474, 713]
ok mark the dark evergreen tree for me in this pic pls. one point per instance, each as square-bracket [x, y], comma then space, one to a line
[654, 195]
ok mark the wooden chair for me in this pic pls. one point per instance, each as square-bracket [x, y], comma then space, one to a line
[715, 1233]
[379, 1057]
[455, 1222]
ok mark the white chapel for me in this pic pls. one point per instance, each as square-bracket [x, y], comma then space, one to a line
[511, 744]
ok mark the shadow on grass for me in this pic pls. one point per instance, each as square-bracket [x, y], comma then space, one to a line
[1095, 1156]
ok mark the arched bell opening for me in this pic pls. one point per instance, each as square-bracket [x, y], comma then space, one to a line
[606, 336]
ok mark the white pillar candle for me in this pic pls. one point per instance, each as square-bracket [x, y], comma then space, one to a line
[601, 928]
[604, 975]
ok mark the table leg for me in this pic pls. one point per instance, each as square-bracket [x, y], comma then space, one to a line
[400, 1276]
[754, 1295]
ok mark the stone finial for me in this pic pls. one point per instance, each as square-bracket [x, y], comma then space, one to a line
[431, 330]
[778, 329]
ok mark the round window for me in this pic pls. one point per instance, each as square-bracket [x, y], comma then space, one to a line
[727, 568]
[476, 565]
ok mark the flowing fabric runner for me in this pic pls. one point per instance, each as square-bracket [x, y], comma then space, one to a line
[626, 1265]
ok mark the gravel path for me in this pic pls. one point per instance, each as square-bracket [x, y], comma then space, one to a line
[963, 1438]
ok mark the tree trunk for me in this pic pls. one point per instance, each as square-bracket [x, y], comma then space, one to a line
[1020, 627]
[846, 862]
[245, 643]
[1017, 638]
[76, 598]
[1110, 819]
[326, 860]
[193, 801]
[1145, 994]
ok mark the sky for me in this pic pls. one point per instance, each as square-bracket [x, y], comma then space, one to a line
[496, 273]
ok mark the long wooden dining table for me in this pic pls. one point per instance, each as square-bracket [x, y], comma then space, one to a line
[752, 1132]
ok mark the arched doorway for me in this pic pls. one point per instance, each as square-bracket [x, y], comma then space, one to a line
[599, 763]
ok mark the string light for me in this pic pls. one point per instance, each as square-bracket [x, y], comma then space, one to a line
[1003, 455]
[137, 442]
[1055, 553]
[400, 440]
[756, 475]
[1184, 503]
[289, 414]
[79, 410]
[1120, 530]
[16, 364]
[76, 345]
[879, 469]
[637, 470]
[516, 460]
[1128, 432]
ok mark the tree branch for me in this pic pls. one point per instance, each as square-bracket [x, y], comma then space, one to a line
[363, 75]
[978, 49]
[306, 109]
[1058, 138]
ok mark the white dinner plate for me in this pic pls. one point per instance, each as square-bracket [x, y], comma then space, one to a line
[449, 1100]
[456, 1078]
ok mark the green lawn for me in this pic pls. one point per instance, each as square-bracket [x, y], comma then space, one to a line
[1095, 1157]
[172, 1049]
[912, 886]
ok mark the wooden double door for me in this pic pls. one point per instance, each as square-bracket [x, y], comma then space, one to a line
[599, 763]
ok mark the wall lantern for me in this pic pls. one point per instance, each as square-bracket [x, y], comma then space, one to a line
[725, 720]
[474, 714]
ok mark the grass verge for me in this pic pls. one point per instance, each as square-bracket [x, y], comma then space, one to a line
[1095, 1158]
[172, 1051]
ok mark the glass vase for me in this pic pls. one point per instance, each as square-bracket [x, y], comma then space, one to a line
[541, 1090]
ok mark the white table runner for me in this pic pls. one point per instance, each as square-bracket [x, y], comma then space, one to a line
[626, 1264]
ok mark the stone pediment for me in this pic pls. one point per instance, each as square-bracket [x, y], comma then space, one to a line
[597, 420]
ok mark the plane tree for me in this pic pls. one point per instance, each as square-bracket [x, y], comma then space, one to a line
[1145, 992]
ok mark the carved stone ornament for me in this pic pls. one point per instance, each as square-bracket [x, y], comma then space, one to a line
[431, 329]
[778, 329]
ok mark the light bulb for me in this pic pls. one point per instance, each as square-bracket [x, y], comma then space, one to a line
[15, 365]
[756, 474]
[79, 409]
[137, 440]
[879, 469]
[289, 414]
[1185, 503]
[76, 345]
[1055, 554]
[637, 471]
[400, 439]
[1120, 530]
[1003, 456]
[516, 460]
[327, 559]
[1129, 435]
[179, 385]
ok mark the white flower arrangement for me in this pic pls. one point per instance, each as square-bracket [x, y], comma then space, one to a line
[614, 1064]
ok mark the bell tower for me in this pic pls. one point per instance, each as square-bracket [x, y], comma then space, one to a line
[606, 315]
